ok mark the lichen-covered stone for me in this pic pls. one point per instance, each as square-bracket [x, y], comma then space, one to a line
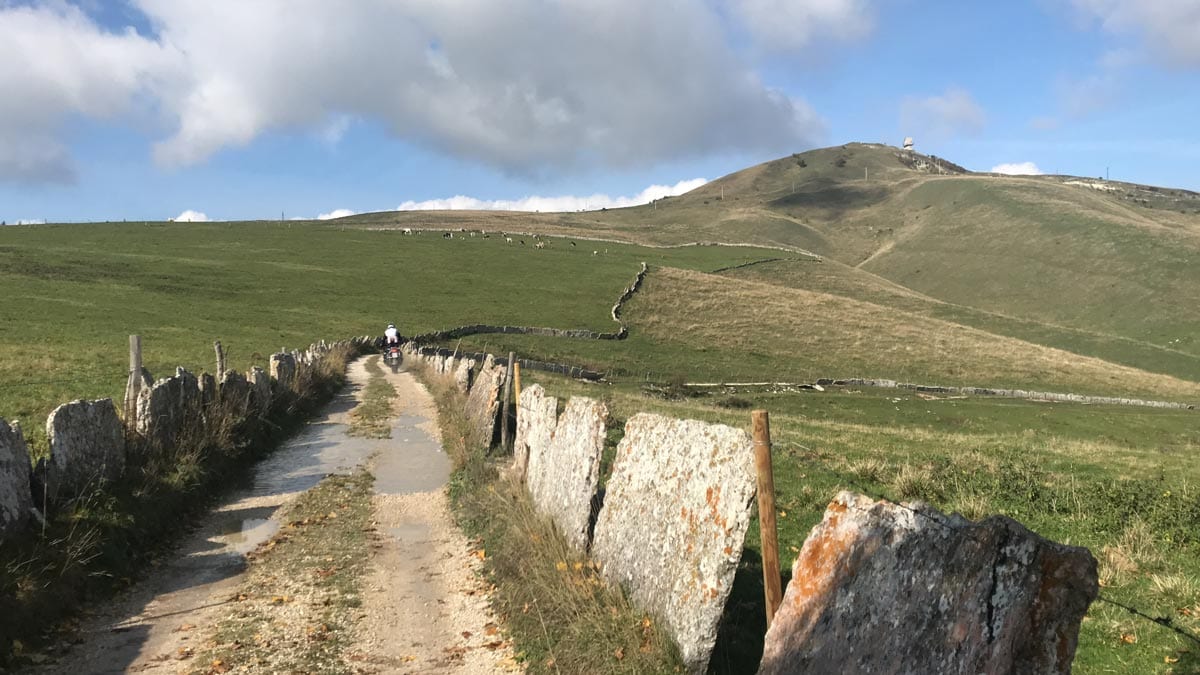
[535, 425]
[16, 500]
[563, 474]
[160, 411]
[283, 369]
[880, 587]
[482, 403]
[87, 447]
[260, 390]
[462, 374]
[208, 388]
[674, 521]
[235, 392]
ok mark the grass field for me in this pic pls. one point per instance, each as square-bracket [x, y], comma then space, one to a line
[73, 295]
[1029, 283]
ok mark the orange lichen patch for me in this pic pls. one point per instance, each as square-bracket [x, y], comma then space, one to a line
[822, 558]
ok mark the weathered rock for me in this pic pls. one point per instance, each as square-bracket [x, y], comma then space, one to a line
[674, 521]
[880, 587]
[563, 474]
[16, 500]
[160, 412]
[235, 392]
[260, 390]
[189, 390]
[462, 374]
[536, 415]
[87, 447]
[482, 403]
[283, 369]
[208, 388]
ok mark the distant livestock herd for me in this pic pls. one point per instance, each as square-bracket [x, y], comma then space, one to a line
[463, 233]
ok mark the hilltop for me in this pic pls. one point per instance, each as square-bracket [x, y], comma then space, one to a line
[1099, 267]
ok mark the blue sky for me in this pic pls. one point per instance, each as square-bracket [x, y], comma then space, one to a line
[146, 109]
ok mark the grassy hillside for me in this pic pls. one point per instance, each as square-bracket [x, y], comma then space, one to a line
[74, 293]
[1103, 267]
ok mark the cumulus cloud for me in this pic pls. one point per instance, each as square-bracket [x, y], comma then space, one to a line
[190, 216]
[953, 113]
[595, 82]
[58, 63]
[1018, 169]
[336, 213]
[1170, 29]
[792, 24]
[554, 204]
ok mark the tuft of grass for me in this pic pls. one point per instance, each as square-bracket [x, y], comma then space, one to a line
[370, 418]
[562, 616]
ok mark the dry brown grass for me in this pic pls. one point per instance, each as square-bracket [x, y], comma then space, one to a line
[816, 334]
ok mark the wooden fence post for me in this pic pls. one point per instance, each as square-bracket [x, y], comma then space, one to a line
[133, 385]
[508, 385]
[517, 384]
[220, 359]
[772, 584]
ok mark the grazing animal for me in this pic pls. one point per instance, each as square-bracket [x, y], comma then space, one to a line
[541, 244]
[509, 240]
[448, 235]
[595, 252]
[522, 242]
[408, 230]
[572, 243]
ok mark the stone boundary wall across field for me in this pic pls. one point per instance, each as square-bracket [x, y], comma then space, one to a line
[952, 390]
[670, 525]
[484, 329]
[91, 444]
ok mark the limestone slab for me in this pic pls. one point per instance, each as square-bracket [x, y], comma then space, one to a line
[563, 474]
[673, 523]
[87, 447]
[483, 403]
[536, 419]
[16, 500]
[882, 587]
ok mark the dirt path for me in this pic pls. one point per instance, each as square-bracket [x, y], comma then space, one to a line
[424, 576]
[424, 607]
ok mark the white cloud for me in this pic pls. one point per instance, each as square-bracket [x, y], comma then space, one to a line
[33, 221]
[953, 113]
[1018, 169]
[336, 213]
[595, 82]
[57, 63]
[190, 216]
[554, 204]
[792, 24]
[1169, 29]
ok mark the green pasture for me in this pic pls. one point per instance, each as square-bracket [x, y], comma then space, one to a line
[74, 293]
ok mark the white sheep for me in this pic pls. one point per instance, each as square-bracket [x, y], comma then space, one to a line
[407, 230]
[540, 244]
[508, 240]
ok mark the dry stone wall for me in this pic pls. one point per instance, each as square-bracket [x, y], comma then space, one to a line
[563, 475]
[881, 587]
[16, 499]
[283, 370]
[674, 521]
[87, 447]
[88, 438]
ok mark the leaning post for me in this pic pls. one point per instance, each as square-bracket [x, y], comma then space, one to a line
[772, 584]
[517, 383]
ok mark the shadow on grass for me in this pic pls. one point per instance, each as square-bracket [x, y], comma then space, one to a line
[740, 637]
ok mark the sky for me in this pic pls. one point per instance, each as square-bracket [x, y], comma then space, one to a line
[232, 110]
